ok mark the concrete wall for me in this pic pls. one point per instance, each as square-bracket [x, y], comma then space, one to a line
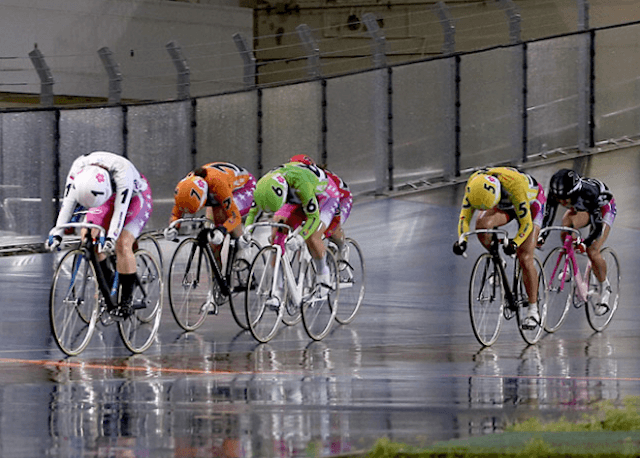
[70, 32]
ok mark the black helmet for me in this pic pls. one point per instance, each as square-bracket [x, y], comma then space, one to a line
[564, 183]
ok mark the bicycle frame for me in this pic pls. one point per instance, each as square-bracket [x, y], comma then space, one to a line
[87, 242]
[582, 281]
[295, 286]
[494, 251]
[203, 242]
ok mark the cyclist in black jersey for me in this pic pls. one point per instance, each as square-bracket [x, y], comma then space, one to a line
[589, 202]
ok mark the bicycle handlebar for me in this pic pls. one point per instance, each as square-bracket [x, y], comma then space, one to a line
[504, 239]
[573, 230]
[80, 225]
[292, 232]
[199, 219]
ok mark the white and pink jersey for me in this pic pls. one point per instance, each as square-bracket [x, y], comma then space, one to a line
[127, 184]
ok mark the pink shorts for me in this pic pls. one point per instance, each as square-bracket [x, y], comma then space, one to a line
[609, 212]
[135, 219]
[327, 201]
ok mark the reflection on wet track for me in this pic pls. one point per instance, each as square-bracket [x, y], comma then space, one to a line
[408, 367]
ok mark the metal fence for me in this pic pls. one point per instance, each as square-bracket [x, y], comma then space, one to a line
[379, 129]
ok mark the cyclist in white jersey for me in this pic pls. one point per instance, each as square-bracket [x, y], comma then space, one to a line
[119, 199]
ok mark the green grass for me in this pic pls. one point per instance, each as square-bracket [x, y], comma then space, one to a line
[610, 431]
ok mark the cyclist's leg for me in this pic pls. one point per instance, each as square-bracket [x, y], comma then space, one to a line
[490, 219]
[525, 254]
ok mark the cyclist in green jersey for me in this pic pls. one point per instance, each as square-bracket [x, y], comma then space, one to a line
[298, 194]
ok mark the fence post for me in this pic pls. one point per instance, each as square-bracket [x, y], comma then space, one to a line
[585, 69]
[516, 66]
[383, 162]
[46, 78]
[448, 81]
[249, 60]
[113, 71]
[184, 74]
[312, 51]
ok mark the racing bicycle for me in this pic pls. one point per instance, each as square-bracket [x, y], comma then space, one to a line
[567, 285]
[80, 296]
[198, 284]
[494, 298]
[282, 288]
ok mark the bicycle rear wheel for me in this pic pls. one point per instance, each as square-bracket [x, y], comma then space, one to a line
[73, 304]
[351, 273]
[140, 329]
[190, 284]
[319, 311]
[600, 322]
[265, 296]
[238, 283]
[486, 300]
[558, 270]
[531, 336]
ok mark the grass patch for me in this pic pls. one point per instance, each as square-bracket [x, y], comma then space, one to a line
[612, 430]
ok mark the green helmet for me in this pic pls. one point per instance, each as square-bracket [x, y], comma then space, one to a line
[271, 192]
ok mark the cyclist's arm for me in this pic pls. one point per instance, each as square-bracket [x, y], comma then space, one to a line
[520, 201]
[124, 190]
[68, 205]
[254, 212]
[466, 213]
[306, 193]
[550, 210]
[176, 214]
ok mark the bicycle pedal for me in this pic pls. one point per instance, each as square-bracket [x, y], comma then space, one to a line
[140, 305]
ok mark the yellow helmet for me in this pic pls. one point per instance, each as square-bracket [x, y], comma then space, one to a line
[483, 191]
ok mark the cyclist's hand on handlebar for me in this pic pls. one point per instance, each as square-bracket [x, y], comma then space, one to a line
[510, 248]
[294, 243]
[581, 247]
[108, 246]
[170, 233]
[460, 248]
[53, 242]
[216, 236]
[541, 240]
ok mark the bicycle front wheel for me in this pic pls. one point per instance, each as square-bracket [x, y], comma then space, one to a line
[531, 336]
[319, 311]
[558, 270]
[140, 329]
[351, 273]
[266, 294]
[599, 322]
[486, 300]
[73, 304]
[238, 280]
[190, 284]
[148, 242]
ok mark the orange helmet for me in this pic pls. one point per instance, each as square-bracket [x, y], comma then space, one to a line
[191, 193]
[302, 158]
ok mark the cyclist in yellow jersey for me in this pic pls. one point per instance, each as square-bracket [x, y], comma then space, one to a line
[503, 194]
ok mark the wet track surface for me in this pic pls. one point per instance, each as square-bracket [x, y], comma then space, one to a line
[408, 367]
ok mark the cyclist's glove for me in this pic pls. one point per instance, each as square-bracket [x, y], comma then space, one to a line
[170, 233]
[294, 243]
[216, 236]
[460, 248]
[109, 246]
[53, 242]
[542, 239]
[510, 248]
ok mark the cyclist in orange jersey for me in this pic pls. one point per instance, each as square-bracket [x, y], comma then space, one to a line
[224, 189]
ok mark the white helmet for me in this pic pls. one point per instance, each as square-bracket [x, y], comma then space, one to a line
[93, 186]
